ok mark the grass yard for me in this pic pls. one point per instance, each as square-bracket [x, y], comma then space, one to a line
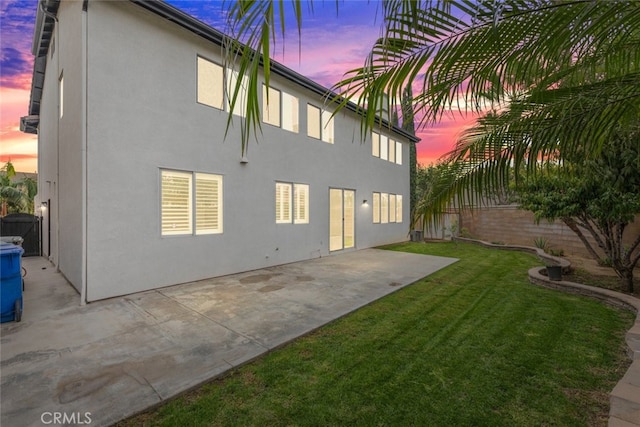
[474, 344]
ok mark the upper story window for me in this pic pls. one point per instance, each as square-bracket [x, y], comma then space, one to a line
[398, 153]
[386, 148]
[210, 84]
[190, 199]
[280, 109]
[212, 91]
[319, 124]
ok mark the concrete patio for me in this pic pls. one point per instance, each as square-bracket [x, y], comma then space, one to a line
[108, 360]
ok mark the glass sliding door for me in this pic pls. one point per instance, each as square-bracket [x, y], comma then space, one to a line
[349, 200]
[335, 219]
[341, 219]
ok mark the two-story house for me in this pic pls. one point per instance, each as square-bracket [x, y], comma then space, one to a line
[142, 190]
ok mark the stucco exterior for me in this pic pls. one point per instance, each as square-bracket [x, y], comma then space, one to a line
[130, 111]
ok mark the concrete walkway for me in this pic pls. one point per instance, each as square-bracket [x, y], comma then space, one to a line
[108, 360]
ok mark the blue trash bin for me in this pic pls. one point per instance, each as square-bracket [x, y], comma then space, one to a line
[10, 282]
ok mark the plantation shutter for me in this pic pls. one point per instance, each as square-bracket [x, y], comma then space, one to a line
[398, 152]
[176, 202]
[384, 208]
[208, 204]
[392, 208]
[283, 203]
[398, 208]
[301, 201]
[376, 208]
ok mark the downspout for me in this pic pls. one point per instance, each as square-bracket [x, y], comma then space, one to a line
[46, 12]
[83, 121]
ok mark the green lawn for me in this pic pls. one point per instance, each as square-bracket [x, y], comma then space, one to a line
[474, 344]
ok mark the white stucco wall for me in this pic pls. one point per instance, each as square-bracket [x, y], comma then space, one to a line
[70, 205]
[59, 146]
[143, 116]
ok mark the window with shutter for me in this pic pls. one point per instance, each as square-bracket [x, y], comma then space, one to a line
[399, 208]
[208, 203]
[398, 153]
[376, 208]
[384, 208]
[301, 208]
[283, 203]
[176, 202]
[392, 208]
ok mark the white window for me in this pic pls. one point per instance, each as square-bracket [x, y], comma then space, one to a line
[270, 105]
[384, 208]
[290, 112]
[178, 203]
[376, 208]
[280, 109]
[319, 124]
[398, 152]
[292, 204]
[384, 147]
[301, 203]
[392, 150]
[210, 90]
[283, 203]
[327, 127]
[375, 144]
[239, 104]
[61, 94]
[392, 208]
[387, 208]
[313, 121]
[208, 203]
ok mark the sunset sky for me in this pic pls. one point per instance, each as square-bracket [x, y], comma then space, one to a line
[332, 43]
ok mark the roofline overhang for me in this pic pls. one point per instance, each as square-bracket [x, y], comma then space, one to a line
[42, 34]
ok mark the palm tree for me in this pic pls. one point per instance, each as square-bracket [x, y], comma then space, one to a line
[559, 77]
[15, 195]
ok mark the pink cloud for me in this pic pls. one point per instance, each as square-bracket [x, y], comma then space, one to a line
[440, 138]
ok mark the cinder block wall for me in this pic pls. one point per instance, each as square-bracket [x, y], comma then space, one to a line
[510, 225]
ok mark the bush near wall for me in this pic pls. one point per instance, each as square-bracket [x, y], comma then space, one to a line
[510, 225]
